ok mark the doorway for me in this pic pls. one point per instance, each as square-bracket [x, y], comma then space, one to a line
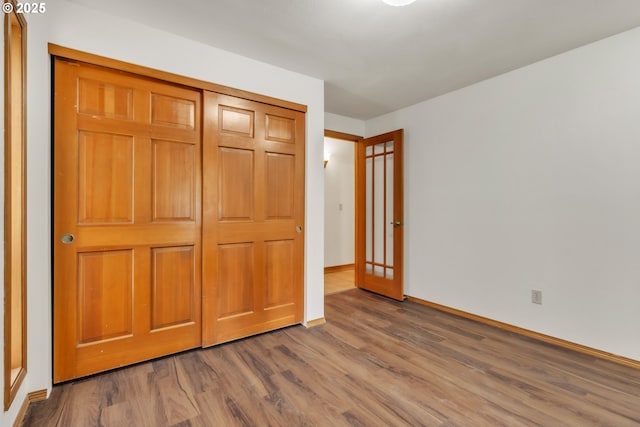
[339, 213]
[368, 172]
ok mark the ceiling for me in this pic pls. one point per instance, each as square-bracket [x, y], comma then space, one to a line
[376, 58]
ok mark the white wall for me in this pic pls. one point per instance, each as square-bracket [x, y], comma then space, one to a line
[74, 26]
[343, 124]
[339, 203]
[531, 180]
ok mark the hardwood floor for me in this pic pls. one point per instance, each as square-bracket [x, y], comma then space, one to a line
[376, 362]
[338, 281]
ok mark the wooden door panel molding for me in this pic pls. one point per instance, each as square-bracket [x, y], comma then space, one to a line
[279, 185]
[150, 235]
[174, 181]
[173, 287]
[173, 111]
[380, 214]
[245, 232]
[236, 264]
[280, 257]
[280, 129]
[105, 295]
[258, 153]
[105, 175]
[236, 121]
[236, 182]
[98, 98]
[110, 354]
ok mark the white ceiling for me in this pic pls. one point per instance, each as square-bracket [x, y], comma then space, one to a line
[376, 58]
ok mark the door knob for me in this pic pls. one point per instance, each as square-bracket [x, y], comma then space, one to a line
[67, 238]
[396, 223]
[299, 229]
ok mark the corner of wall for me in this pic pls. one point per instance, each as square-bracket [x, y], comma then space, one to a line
[344, 124]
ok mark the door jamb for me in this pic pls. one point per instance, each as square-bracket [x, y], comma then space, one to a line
[356, 140]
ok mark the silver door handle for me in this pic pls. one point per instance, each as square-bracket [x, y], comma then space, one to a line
[67, 238]
[396, 223]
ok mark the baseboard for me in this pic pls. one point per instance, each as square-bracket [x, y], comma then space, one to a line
[620, 360]
[337, 268]
[315, 322]
[34, 396]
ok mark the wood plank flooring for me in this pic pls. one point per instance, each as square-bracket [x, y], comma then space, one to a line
[376, 362]
[338, 281]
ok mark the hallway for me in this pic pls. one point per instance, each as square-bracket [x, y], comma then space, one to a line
[339, 281]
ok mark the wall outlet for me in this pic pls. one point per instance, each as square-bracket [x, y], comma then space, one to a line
[536, 296]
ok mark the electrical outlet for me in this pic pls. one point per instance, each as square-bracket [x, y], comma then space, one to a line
[536, 296]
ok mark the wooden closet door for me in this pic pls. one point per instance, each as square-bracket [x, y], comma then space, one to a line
[253, 162]
[127, 219]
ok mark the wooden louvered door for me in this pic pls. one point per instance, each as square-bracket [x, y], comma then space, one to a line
[127, 219]
[253, 199]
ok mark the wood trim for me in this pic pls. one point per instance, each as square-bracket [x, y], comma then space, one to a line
[15, 207]
[34, 396]
[37, 396]
[352, 138]
[22, 412]
[337, 268]
[620, 360]
[341, 135]
[76, 55]
[359, 221]
[315, 322]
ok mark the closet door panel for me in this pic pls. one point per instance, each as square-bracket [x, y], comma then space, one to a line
[253, 225]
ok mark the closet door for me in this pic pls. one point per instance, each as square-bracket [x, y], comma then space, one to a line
[127, 219]
[253, 231]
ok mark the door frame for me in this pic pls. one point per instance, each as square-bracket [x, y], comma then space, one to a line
[359, 237]
[348, 137]
[165, 76]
